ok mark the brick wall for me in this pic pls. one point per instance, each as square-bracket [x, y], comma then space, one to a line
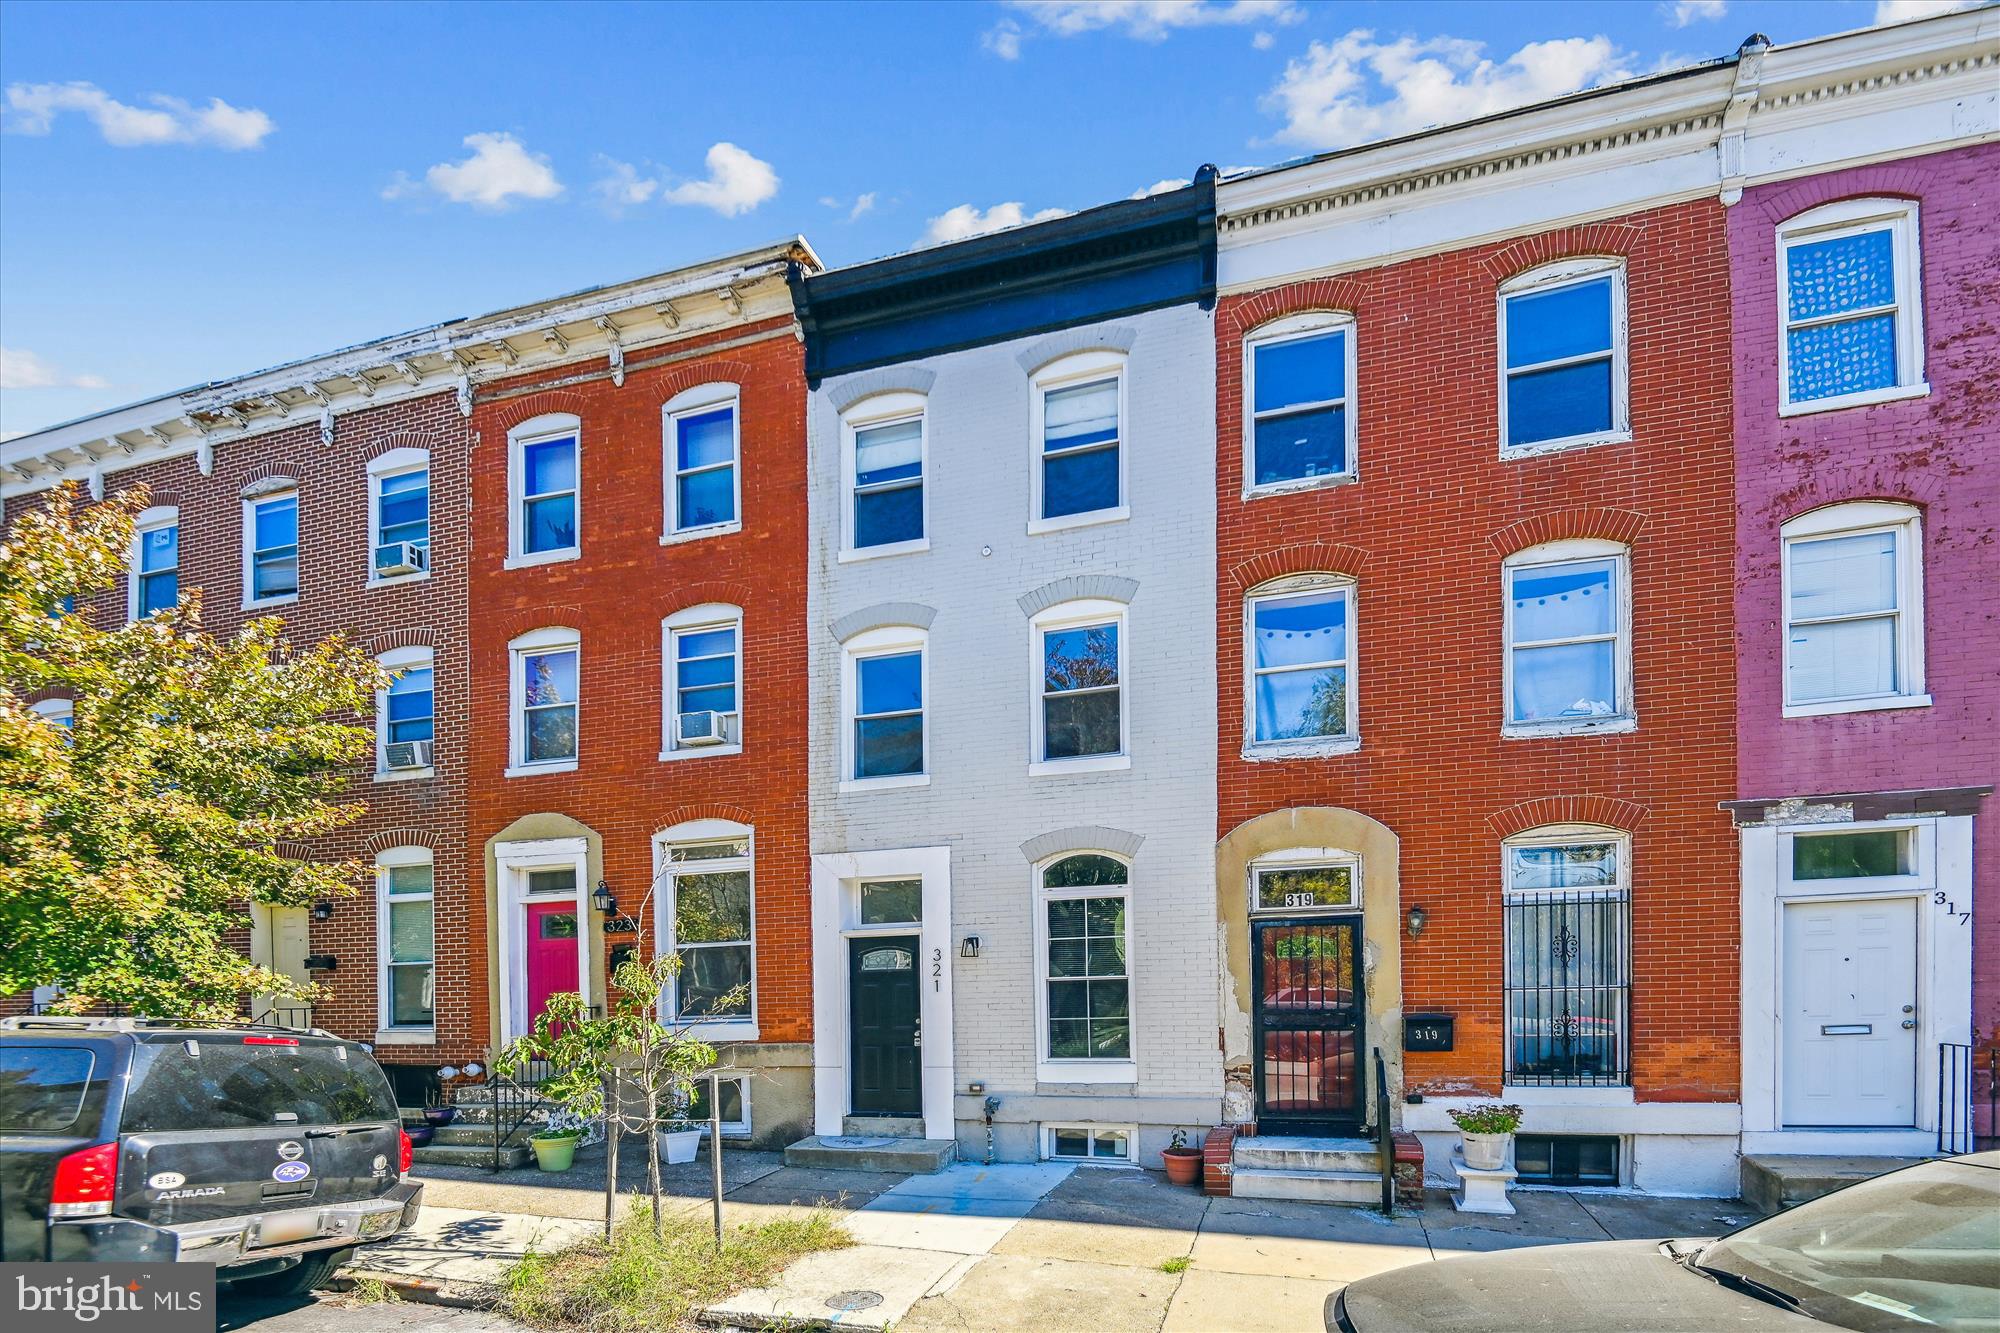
[1424, 530]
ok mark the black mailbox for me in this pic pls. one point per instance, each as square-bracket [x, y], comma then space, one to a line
[1427, 1032]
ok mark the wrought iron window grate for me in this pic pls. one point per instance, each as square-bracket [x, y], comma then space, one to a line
[1568, 989]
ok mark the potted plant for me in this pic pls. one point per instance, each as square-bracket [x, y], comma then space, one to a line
[1183, 1163]
[1487, 1129]
[679, 1140]
[437, 1117]
[420, 1135]
[555, 1149]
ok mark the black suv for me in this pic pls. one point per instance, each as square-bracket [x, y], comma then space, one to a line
[268, 1152]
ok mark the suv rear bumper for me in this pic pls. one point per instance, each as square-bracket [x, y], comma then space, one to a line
[227, 1240]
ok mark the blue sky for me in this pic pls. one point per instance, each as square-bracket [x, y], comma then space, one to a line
[194, 191]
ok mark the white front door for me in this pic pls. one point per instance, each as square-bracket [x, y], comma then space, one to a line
[1849, 1013]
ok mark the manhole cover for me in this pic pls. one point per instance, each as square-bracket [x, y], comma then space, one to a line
[856, 1141]
[854, 1300]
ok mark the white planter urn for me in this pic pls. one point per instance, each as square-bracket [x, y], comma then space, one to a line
[1486, 1152]
[679, 1145]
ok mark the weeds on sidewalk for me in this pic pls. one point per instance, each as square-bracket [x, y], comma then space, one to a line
[1178, 1264]
[371, 1291]
[636, 1281]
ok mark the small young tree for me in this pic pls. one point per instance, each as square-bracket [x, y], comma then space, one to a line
[132, 842]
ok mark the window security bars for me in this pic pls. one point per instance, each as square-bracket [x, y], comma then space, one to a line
[1567, 989]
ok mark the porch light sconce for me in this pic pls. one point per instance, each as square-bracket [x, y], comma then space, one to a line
[969, 947]
[1418, 919]
[601, 899]
[322, 911]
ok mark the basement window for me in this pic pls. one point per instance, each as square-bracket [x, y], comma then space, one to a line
[1097, 1145]
[1566, 1159]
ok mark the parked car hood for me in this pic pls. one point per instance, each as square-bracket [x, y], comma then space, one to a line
[1617, 1286]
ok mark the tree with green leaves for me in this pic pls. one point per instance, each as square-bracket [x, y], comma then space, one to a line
[133, 840]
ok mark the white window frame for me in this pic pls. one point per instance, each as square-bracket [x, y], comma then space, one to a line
[58, 712]
[695, 620]
[731, 1129]
[402, 659]
[1131, 1133]
[1072, 615]
[515, 861]
[701, 399]
[550, 426]
[386, 1032]
[1562, 835]
[395, 463]
[1850, 217]
[1048, 1069]
[1302, 747]
[885, 641]
[255, 498]
[1064, 373]
[150, 520]
[1303, 858]
[1570, 551]
[1919, 836]
[518, 651]
[665, 874]
[882, 409]
[1291, 329]
[1566, 273]
[1852, 519]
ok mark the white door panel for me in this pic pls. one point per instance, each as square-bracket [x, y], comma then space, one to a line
[1850, 971]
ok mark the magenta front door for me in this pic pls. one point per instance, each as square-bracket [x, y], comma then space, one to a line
[551, 953]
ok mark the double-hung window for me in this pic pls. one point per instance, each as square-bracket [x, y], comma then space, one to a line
[1301, 661]
[1079, 408]
[1853, 591]
[1079, 665]
[1849, 300]
[405, 713]
[405, 941]
[702, 448]
[1562, 356]
[400, 514]
[544, 521]
[545, 683]
[888, 483]
[156, 561]
[709, 921]
[1086, 982]
[704, 680]
[1565, 901]
[271, 547]
[1301, 375]
[886, 727]
[1569, 639]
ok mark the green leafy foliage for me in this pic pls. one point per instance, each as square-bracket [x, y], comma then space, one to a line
[132, 843]
[1487, 1118]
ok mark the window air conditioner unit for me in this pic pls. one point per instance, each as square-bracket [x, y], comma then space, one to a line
[408, 754]
[707, 727]
[401, 558]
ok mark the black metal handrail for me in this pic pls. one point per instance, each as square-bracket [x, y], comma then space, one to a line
[1385, 1138]
[514, 1098]
[1954, 1097]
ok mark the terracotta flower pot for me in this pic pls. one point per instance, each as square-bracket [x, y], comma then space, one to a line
[1183, 1164]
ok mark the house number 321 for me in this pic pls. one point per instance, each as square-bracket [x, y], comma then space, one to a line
[937, 969]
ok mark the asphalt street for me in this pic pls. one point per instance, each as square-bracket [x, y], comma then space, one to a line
[331, 1312]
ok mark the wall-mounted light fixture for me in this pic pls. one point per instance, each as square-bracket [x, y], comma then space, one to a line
[322, 911]
[1418, 918]
[601, 899]
[969, 947]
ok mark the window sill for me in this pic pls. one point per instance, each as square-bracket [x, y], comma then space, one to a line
[266, 603]
[718, 1029]
[541, 558]
[405, 774]
[406, 1036]
[1880, 705]
[1294, 486]
[1096, 763]
[1323, 748]
[1563, 446]
[855, 785]
[1089, 520]
[534, 770]
[859, 553]
[1896, 394]
[1086, 1071]
[696, 534]
[1608, 726]
[396, 580]
[698, 752]
[1582, 1094]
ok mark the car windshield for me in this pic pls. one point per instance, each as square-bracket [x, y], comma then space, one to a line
[1917, 1248]
[228, 1085]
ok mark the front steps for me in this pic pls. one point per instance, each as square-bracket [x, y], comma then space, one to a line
[875, 1143]
[459, 1144]
[1773, 1182]
[1312, 1170]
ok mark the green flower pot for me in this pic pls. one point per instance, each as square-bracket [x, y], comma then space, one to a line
[554, 1154]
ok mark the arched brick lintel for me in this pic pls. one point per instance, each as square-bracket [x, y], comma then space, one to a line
[1618, 525]
[1609, 811]
[1591, 238]
[1313, 558]
[1341, 295]
[402, 837]
[687, 814]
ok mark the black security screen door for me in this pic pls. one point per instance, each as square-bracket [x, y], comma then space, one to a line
[1309, 1009]
[882, 980]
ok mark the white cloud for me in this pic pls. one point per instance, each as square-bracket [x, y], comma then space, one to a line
[1003, 39]
[1159, 187]
[1683, 12]
[737, 182]
[1263, 41]
[955, 224]
[864, 204]
[1153, 20]
[1897, 11]
[22, 369]
[499, 172]
[622, 187]
[34, 107]
[1355, 89]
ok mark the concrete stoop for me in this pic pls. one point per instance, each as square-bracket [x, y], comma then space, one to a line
[1773, 1182]
[472, 1145]
[1310, 1170]
[872, 1152]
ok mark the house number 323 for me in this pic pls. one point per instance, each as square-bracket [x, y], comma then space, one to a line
[937, 969]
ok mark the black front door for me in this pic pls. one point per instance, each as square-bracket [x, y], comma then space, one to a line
[1309, 1013]
[882, 981]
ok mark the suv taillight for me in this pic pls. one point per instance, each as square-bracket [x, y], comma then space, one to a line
[84, 1183]
[406, 1151]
